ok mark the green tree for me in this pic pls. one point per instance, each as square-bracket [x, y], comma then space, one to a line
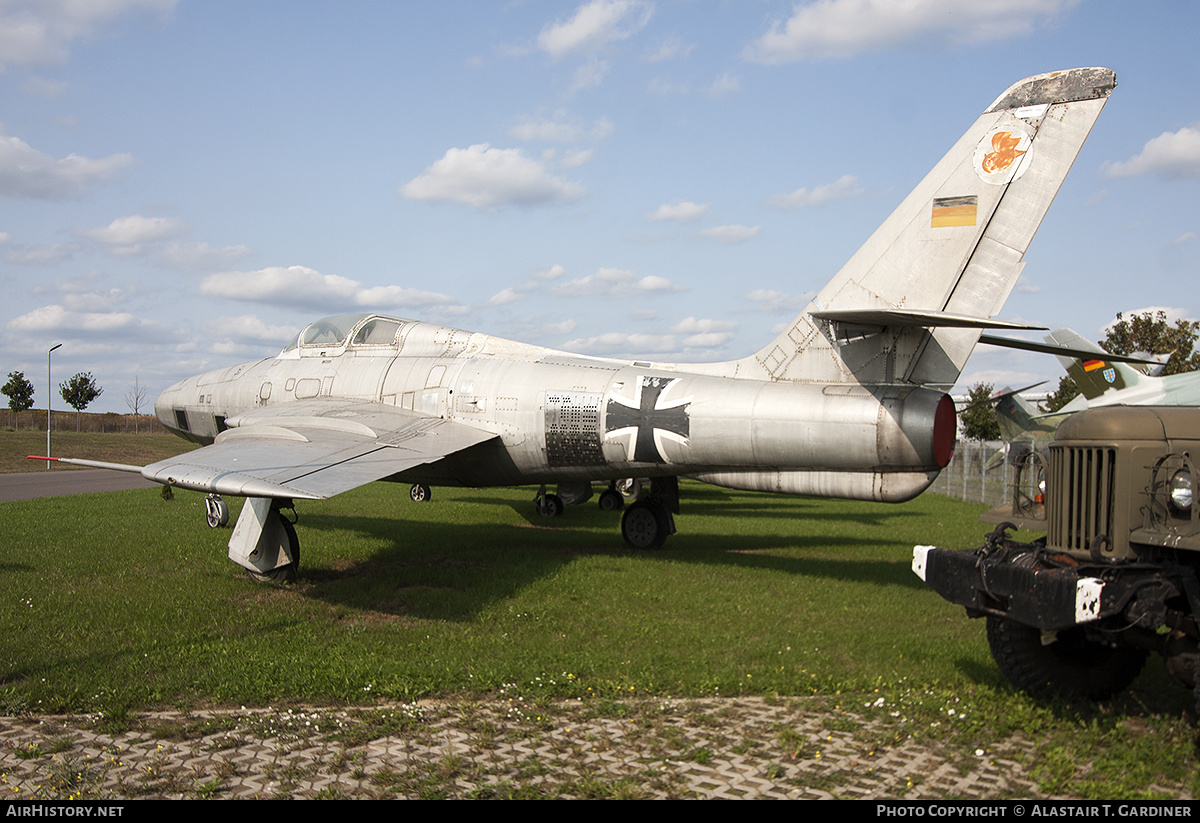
[979, 416]
[79, 392]
[1151, 333]
[1066, 392]
[19, 392]
[1145, 332]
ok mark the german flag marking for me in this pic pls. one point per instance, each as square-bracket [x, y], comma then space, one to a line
[954, 211]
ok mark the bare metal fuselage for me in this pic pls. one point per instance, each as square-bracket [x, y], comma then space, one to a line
[561, 418]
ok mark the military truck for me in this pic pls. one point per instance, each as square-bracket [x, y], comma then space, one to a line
[1076, 613]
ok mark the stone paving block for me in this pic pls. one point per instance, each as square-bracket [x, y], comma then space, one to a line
[718, 748]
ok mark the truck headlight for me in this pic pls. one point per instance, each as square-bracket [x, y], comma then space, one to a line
[1181, 490]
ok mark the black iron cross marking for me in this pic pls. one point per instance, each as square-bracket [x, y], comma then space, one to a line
[647, 417]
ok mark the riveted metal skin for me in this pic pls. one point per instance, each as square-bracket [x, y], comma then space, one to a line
[847, 401]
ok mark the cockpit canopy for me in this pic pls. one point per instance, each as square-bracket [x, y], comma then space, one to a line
[334, 333]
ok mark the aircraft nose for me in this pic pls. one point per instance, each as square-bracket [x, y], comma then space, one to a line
[171, 401]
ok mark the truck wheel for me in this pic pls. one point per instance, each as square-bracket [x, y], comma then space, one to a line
[1071, 667]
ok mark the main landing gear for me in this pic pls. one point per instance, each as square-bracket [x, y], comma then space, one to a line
[611, 499]
[548, 505]
[264, 540]
[649, 521]
[646, 523]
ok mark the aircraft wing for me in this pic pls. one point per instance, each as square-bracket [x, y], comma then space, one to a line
[314, 449]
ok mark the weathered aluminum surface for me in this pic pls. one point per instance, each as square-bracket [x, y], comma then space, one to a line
[829, 407]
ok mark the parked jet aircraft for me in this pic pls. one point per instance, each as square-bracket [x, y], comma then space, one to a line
[1103, 378]
[1104, 381]
[849, 401]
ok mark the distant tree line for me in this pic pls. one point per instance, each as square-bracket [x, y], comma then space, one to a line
[79, 392]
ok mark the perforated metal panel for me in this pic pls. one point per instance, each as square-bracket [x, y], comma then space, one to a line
[573, 429]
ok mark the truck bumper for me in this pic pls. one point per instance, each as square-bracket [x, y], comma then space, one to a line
[1013, 587]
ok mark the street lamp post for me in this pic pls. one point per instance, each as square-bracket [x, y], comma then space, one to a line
[49, 399]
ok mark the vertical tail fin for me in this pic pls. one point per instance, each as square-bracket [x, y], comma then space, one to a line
[1014, 413]
[1093, 375]
[1096, 376]
[909, 305]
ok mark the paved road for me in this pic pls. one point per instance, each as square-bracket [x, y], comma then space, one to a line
[56, 482]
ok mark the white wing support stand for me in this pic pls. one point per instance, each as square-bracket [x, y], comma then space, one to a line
[263, 542]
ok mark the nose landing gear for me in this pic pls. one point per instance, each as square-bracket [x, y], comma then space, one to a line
[216, 511]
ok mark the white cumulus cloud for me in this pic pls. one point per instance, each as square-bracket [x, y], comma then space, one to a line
[845, 186]
[39, 254]
[610, 282]
[485, 177]
[41, 31]
[59, 318]
[27, 173]
[594, 25]
[560, 128]
[773, 300]
[162, 240]
[128, 235]
[1173, 154]
[614, 343]
[730, 234]
[707, 340]
[681, 211]
[307, 288]
[724, 85]
[669, 49]
[248, 328]
[703, 325]
[512, 294]
[841, 28]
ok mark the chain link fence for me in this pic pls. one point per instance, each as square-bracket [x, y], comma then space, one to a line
[107, 422]
[979, 472]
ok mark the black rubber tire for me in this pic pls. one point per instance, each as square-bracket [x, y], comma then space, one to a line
[216, 512]
[282, 574]
[1072, 667]
[550, 505]
[611, 501]
[419, 493]
[645, 525]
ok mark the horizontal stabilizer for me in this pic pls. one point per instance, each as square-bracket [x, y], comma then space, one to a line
[1006, 392]
[897, 318]
[1063, 350]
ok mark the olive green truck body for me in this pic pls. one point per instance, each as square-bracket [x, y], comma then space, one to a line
[1075, 613]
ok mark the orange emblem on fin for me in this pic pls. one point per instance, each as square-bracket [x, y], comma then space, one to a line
[1004, 152]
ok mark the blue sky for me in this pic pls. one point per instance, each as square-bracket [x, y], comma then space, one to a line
[184, 184]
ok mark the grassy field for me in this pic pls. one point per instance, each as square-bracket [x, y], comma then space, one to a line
[125, 601]
[137, 449]
[127, 595]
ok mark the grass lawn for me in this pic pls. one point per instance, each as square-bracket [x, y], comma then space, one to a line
[135, 449]
[130, 596]
[123, 601]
